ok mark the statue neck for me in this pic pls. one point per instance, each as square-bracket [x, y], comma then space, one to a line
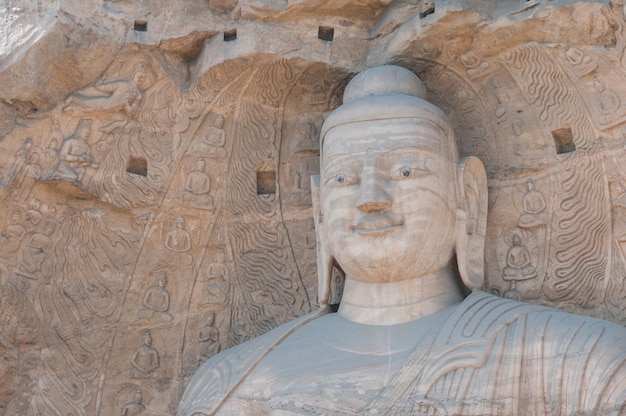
[399, 302]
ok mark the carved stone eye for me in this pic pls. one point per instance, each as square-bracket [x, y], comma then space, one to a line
[341, 179]
[409, 172]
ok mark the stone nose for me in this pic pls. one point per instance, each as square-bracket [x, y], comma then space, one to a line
[373, 196]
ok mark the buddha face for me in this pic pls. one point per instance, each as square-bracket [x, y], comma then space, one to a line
[138, 78]
[162, 280]
[388, 198]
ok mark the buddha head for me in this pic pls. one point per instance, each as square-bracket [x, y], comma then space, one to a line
[161, 279]
[200, 164]
[210, 318]
[393, 201]
[138, 74]
[83, 129]
[147, 339]
[138, 397]
[15, 217]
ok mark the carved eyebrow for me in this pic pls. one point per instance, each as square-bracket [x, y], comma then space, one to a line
[337, 158]
[404, 154]
[411, 149]
[339, 155]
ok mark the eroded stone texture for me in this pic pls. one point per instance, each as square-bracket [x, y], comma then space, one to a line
[393, 208]
[127, 155]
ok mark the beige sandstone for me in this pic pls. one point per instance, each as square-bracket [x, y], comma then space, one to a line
[406, 221]
[186, 151]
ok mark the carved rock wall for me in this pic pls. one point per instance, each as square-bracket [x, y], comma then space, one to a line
[155, 184]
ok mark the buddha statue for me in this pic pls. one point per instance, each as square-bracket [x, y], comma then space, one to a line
[405, 219]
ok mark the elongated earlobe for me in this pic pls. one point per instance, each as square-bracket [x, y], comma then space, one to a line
[471, 223]
[325, 260]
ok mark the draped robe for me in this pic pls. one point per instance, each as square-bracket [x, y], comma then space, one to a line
[484, 356]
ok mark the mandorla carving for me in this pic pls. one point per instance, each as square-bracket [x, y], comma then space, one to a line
[90, 258]
[264, 266]
[549, 92]
[580, 226]
[115, 181]
[124, 95]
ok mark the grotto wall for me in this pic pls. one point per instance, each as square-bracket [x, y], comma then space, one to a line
[155, 164]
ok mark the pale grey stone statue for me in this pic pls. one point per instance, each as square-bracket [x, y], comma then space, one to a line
[406, 220]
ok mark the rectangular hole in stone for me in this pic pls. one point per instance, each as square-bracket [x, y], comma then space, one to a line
[230, 35]
[137, 166]
[430, 9]
[141, 25]
[325, 33]
[563, 140]
[266, 182]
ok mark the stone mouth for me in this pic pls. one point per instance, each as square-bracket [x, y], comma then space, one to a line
[378, 225]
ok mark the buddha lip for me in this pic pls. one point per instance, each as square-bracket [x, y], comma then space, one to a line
[377, 226]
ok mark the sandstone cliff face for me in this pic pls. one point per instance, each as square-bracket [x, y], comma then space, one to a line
[155, 163]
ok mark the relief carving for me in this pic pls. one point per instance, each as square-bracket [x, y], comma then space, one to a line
[56, 138]
[474, 67]
[217, 279]
[305, 164]
[580, 221]
[145, 359]
[263, 263]
[196, 192]
[213, 143]
[134, 205]
[75, 154]
[11, 238]
[123, 95]
[456, 96]
[612, 111]
[391, 180]
[156, 300]
[581, 63]
[534, 206]
[134, 408]
[518, 268]
[25, 170]
[503, 98]
[619, 210]
[36, 251]
[541, 80]
[178, 243]
[33, 214]
[21, 156]
[209, 338]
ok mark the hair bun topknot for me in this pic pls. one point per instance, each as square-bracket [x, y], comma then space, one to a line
[384, 80]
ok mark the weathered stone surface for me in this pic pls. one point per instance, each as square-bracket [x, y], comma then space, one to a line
[405, 220]
[186, 150]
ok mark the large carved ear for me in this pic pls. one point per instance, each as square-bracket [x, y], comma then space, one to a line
[324, 259]
[471, 223]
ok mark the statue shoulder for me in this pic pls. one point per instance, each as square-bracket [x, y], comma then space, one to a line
[488, 335]
[221, 374]
[482, 313]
